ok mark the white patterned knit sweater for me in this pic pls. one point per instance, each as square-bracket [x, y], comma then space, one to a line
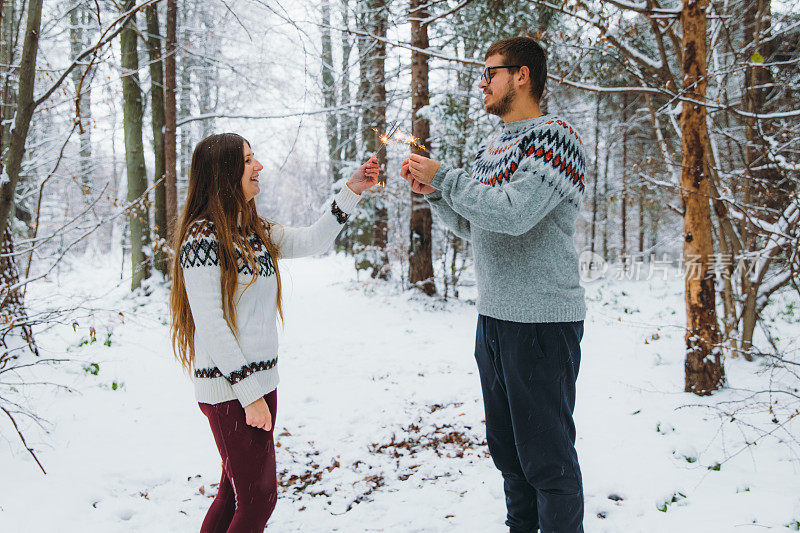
[247, 369]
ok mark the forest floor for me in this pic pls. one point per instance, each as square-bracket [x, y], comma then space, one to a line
[380, 419]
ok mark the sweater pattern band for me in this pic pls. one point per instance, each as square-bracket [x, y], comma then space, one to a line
[554, 143]
[201, 249]
[237, 375]
[341, 216]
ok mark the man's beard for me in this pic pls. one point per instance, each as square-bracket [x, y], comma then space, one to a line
[503, 106]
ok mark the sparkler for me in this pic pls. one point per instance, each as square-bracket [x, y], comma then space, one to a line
[385, 138]
[395, 135]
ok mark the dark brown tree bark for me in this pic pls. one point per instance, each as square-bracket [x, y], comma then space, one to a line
[704, 372]
[170, 120]
[420, 262]
[25, 107]
[160, 258]
[380, 236]
[762, 186]
[12, 308]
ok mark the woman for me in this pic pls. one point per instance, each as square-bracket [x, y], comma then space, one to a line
[226, 295]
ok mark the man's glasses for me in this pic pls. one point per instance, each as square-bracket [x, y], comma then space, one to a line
[487, 72]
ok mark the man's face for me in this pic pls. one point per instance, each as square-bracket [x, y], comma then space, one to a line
[499, 93]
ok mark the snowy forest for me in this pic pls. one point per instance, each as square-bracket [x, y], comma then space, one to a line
[688, 237]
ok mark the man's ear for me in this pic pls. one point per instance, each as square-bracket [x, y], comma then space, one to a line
[524, 74]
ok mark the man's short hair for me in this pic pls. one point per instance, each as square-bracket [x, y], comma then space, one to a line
[524, 51]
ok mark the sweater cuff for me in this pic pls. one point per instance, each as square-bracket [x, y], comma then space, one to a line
[347, 200]
[435, 196]
[438, 178]
[248, 389]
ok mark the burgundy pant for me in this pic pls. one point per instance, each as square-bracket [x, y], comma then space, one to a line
[248, 489]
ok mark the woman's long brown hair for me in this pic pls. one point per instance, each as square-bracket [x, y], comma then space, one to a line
[215, 195]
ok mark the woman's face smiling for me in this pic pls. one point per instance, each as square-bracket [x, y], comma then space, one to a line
[250, 177]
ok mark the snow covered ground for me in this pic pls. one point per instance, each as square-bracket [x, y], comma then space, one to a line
[380, 419]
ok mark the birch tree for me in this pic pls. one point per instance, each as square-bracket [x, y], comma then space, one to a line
[80, 38]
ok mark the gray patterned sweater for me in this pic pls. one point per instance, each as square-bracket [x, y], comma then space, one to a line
[518, 208]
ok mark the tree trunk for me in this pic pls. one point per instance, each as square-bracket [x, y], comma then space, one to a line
[420, 269]
[170, 128]
[762, 186]
[8, 49]
[642, 202]
[12, 307]
[207, 78]
[381, 267]
[329, 92]
[767, 190]
[134, 152]
[187, 63]
[461, 114]
[624, 208]
[729, 308]
[704, 372]
[364, 95]
[78, 19]
[160, 258]
[347, 124]
[605, 203]
[596, 169]
[25, 108]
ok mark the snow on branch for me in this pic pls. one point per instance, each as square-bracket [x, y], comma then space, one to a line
[208, 116]
[591, 18]
[105, 38]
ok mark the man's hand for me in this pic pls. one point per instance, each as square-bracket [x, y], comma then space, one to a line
[365, 176]
[257, 415]
[416, 186]
[422, 169]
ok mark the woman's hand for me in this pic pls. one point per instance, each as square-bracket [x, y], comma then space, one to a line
[257, 415]
[365, 177]
[417, 187]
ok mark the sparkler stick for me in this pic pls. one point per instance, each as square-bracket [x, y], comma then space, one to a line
[394, 134]
[384, 138]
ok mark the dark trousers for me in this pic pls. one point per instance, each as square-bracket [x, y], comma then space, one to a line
[248, 488]
[528, 374]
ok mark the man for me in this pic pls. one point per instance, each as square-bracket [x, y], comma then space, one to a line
[518, 207]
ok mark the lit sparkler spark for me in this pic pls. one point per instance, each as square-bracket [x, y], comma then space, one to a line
[385, 138]
[395, 135]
